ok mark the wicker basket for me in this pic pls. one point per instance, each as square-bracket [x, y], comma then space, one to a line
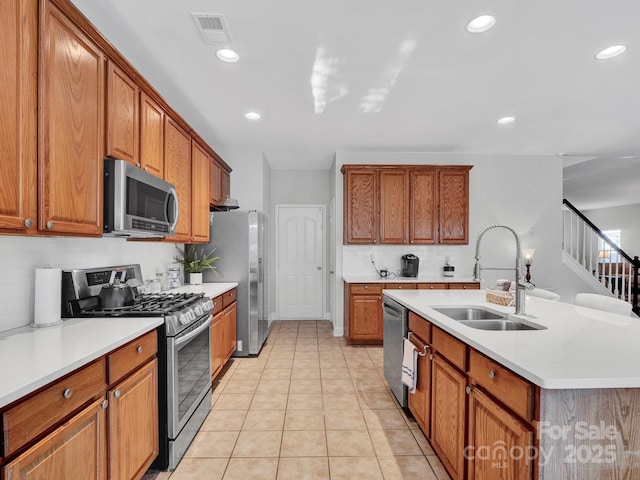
[500, 297]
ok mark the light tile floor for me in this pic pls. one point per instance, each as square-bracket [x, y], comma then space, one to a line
[308, 407]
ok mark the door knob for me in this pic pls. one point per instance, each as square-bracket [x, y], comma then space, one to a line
[319, 268]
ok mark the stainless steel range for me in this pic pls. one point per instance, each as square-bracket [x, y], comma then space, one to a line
[184, 348]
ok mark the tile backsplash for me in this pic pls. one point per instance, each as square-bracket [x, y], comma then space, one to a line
[20, 256]
[356, 259]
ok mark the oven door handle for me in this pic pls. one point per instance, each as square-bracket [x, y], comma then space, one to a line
[194, 333]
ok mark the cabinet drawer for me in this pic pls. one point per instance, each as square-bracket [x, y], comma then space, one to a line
[432, 286]
[228, 298]
[38, 413]
[400, 286]
[130, 356]
[502, 384]
[420, 326]
[366, 288]
[217, 305]
[464, 286]
[450, 348]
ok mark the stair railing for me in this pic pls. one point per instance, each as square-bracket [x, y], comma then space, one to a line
[600, 256]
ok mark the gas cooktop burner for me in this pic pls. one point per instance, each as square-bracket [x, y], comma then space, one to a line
[155, 304]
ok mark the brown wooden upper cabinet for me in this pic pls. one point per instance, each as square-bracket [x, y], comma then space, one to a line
[177, 170]
[200, 185]
[406, 204]
[18, 97]
[123, 116]
[220, 182]
[71, 127]
[151, 136]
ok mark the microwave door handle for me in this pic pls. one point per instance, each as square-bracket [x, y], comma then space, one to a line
[176, 208]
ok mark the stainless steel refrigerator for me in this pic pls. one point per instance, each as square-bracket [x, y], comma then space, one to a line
[240, 240]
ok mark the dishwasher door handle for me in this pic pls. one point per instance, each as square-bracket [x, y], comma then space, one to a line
[392, 308]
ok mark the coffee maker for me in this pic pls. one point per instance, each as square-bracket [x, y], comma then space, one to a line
[410, 265]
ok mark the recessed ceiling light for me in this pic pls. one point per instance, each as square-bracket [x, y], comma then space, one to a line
[227, 55]
[505, 120]
[252, 116]
[610, 52]
[481, 24]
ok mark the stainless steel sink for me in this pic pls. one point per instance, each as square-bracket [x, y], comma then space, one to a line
[469, 313]
[498, 325]
[485, 319]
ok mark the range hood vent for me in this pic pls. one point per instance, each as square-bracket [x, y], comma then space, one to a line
[213, 28]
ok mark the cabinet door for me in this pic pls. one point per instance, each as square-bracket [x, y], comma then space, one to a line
[71, 137]
[217, 349]
[177, 170]
[229, 331]
[77, 449]
[496, 432]
[448, 416]
[393, 206]
[200, 179]
[123, 116]
[225, 184]
[365, 312]
[420, 401]
[360, 206]
[423, 205]
[453, 219]
[133, 424]
[151, 136]
[216, 184]
[18, 97]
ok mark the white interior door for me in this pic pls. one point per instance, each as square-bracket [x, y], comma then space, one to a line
[300, 267]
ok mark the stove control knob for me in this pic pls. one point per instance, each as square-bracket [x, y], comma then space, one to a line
[184, 318]
[209, 304]
[198, 310]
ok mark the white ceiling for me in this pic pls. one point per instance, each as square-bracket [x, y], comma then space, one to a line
[396, 75]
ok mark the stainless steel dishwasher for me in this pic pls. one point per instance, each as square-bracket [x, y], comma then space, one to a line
[395, 331]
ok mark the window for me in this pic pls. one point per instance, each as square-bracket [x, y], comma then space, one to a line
[606, 252]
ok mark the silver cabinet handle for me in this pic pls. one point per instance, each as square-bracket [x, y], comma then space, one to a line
[492, 374]
[104, 404]
[469, 390]
[139, 349]
[49, 225]
[28, 222]
[431, 356]
[366, 286]
[67, 393]
[116, 394]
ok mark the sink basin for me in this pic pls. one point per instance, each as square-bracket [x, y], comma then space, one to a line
[484, 319]
[497, 325]
[469, 313]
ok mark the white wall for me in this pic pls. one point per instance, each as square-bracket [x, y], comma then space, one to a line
[20, 256]
[523, 192]
[624, 218]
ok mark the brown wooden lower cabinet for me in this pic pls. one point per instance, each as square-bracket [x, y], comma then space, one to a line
[223, 330]
[98, 431]
[76, 449]
[133, 424]
[448, 407]
[363, 319]
[499, 443]
[471, 408]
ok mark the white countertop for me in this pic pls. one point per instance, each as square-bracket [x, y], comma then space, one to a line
[581, 347]
[373, 278]
[211, 290]
[31, 358]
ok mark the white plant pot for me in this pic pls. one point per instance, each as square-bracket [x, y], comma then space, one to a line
[195, 278]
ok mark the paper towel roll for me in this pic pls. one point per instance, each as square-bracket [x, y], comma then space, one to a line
[47, 297]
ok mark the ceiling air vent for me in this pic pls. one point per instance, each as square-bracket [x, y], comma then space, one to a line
[213, 28]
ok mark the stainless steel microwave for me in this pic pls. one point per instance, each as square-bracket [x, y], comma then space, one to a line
[136, 203]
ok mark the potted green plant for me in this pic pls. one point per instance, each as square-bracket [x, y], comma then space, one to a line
[193, 265]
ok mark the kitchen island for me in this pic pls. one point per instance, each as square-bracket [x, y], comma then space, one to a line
[579, 412]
